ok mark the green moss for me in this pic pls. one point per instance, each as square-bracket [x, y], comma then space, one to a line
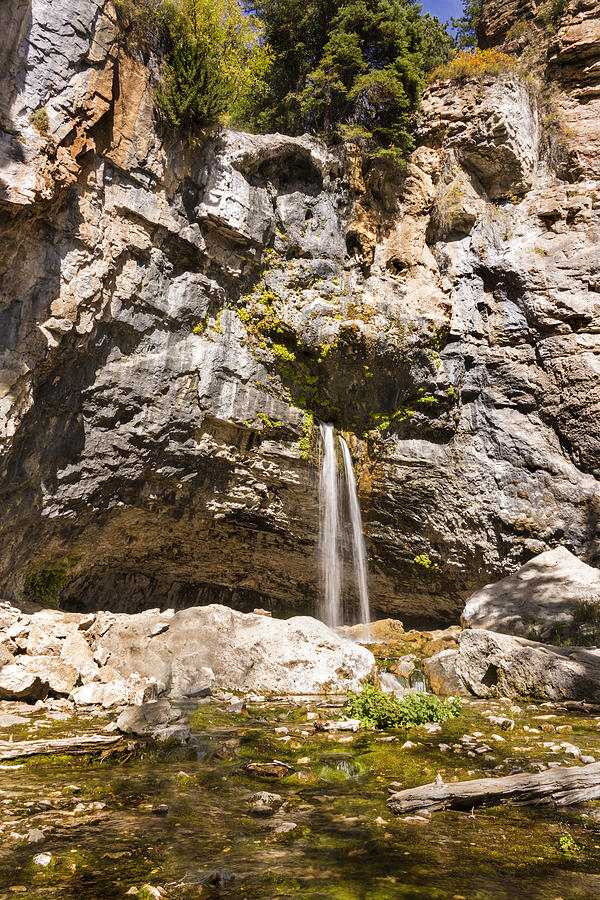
[282, 352]
[306, 440]
[44, 585]
[199, 328]
[423, 560]
[270, 424]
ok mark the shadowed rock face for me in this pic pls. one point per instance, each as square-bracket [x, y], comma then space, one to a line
[168, 315]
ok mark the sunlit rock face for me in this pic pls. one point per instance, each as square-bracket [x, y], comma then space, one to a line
[170, 315]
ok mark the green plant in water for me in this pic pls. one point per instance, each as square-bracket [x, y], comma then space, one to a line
[567, 845]
[379, 710]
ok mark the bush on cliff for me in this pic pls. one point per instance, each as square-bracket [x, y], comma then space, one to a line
[349, 69]
[215, 57]
[473, 64]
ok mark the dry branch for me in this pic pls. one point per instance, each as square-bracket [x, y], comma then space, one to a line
[87, 743]
[559, 787]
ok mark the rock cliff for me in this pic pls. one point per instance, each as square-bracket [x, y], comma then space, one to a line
[173, 316]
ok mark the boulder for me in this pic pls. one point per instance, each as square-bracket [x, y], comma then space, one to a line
[499, 665]
[245, 652]
[60, 677]
[190, 680]
[17, 683]
[143, 719]
[5, 655]
[540, 596]
[76, 651]
[157, 719]
[133, 690]
[442, 676]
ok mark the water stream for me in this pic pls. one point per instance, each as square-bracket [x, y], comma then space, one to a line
[329, 532]
[359, 551]
[329, 529]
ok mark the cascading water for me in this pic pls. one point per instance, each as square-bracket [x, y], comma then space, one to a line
[329, 532]
[359, 550]
[329, 528]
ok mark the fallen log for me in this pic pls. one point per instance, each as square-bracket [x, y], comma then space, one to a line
[87, 743]
[560, 786]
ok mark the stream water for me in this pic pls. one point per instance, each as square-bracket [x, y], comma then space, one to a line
[180, 818]
[359, 550]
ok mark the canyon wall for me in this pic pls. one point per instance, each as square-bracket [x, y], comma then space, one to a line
[174, 316]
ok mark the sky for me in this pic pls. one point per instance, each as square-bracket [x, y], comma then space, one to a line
[443, 9]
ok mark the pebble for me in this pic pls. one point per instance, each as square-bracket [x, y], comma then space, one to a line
[587, 759]
[35, 836]
[42, 859]
[161, 810]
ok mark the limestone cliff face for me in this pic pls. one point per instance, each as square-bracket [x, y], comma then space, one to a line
[169, 315]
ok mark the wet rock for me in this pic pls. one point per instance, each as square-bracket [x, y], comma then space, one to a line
[42, 859]
[155, 719]
[161, 810]
[344, 724]
[16, 683]
[541, 595]
[284, 827]
[274, 769]
[264, 803]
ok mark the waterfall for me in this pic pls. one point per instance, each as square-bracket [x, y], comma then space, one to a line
[329, 532]
[358, 541]
[329, 529]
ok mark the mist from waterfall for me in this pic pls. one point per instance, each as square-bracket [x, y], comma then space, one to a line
[359, 550]
[329, 532]
[329, 529]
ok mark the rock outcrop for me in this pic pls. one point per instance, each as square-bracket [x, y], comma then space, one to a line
[541, 597]
[173, 316]
[498, 665]
[132, 659]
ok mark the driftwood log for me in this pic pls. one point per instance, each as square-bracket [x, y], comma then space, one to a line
[87, 743]
[558, 787]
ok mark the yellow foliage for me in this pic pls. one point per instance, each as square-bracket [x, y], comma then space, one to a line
[473, 64]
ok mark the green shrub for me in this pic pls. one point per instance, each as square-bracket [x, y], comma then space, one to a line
[39, 120]
[215, 57]
[586, 622]
[374, 708]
